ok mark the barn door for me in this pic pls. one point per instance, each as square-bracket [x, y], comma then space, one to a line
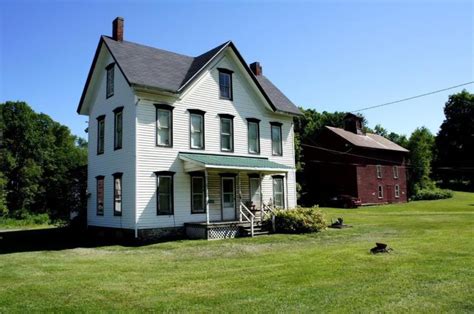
[389, 192]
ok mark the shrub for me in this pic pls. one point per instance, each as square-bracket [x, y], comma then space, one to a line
[24, 219]
[300, 220]
[431, 194]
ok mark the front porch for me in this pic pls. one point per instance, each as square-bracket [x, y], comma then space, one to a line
[240, 192]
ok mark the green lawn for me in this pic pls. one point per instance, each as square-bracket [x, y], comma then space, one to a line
[430, 270]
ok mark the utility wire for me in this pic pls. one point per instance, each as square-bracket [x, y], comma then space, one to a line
[413, 97]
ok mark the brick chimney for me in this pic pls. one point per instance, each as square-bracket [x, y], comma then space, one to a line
[256, 68]
[117, 29]
[353, 123]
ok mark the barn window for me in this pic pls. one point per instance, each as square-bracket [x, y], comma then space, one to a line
[164, 125]
[225, 84]
[100, 134]
[164, 193]
[379, 171]
[395, 172]
[397, 190]
[278, 192]
[100, 195]
[110, 80]
[118, 128]
[277, 145]
[117, 194]
[227, 132]
[380, 194]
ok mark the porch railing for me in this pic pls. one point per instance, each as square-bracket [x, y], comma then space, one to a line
[245, 212]
[270, 212]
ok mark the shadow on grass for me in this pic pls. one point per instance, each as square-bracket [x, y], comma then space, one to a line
[56, 239]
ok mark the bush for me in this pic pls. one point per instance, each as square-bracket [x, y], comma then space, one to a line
[431, 194]
[24, 219]
[300, 220]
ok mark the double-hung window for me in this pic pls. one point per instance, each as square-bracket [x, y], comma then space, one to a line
[118, 127]
[100, 195]
[110, 80]
[380, 191]
[395, 172]
[379, 171]
[227, 132]
[225, 84]
[278, 192]
[277, 145]
[164, 125]
[164, 193]
[198, 193]
[397, 191]
[117, 194]
[196, 128]
[100, 134]
[253, 135]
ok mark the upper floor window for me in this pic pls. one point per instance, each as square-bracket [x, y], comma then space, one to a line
[110, 80]
[100, 134]
[198, 194]
[397, 190]
[196, 128]
[395, 172]
[117, 194]
[225, 83]
[278, 192]
[277, 145]
[253, 133]
[379, 171]
[227, 132]
[380, 191]
[164, 125]
[118, 127]
[100, 195]
[164, 193]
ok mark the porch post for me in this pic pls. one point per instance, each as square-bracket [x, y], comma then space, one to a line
[286, 188]
[261, 192]
[207, 196]
[240, 197]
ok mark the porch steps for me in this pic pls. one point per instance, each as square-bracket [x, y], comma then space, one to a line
[258, 229]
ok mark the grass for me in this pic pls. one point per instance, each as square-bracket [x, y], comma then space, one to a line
[430, 270]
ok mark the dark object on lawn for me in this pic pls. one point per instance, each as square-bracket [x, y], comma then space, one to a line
[344, 201]
[380, 248]
[339, 224]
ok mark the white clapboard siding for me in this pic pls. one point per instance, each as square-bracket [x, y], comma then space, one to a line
[203, 95]
[122, 160]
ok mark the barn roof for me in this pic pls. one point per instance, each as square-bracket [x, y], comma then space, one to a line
[367, 140]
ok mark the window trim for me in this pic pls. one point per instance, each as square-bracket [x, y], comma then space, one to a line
[97, 179]
[202, 114]
[109, 67]
[280, 125]
[170, 109]
[100, 119]
[257, 122]
[118, 175]
[378, 169]
[396, 173]
[224, 116]
[380, 191]
[201, 175]
[116, 111]
[282, 178]
[397, 191]
[168, 174]
[231, 89]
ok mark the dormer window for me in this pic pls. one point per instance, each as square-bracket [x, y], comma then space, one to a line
[110, 80]
[225, 84]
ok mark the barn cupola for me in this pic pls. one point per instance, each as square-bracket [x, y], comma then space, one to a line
[353, 123]
[256, 68]
[117, 29]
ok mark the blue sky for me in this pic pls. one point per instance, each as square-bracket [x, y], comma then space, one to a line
[326, 55]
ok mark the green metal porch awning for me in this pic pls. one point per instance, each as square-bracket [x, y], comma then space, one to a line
[203, 161]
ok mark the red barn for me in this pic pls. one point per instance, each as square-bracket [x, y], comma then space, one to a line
[364, 165]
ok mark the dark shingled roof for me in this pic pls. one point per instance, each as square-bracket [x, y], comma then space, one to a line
[169, 71]
[368, 140]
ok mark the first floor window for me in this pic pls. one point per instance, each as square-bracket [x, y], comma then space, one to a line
[277, 148]
[117, 194]
[196, 129]
[379, 171]
[397, 191]
[164, 125]
[380, 192]
[164, 193]
[253, 136]
[278, 194]
[118, 127]
[100, 134]
[198, 194]
[255, 197]
[100, 195]
[395, 172]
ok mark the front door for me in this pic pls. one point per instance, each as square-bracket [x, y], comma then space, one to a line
[228, 198]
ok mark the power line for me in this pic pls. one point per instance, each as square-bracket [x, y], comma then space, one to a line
[413, 97]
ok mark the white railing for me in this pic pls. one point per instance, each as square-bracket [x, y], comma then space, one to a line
[269, 211]
[246, 214]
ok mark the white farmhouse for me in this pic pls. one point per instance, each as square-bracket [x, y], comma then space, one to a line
[202, 145]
